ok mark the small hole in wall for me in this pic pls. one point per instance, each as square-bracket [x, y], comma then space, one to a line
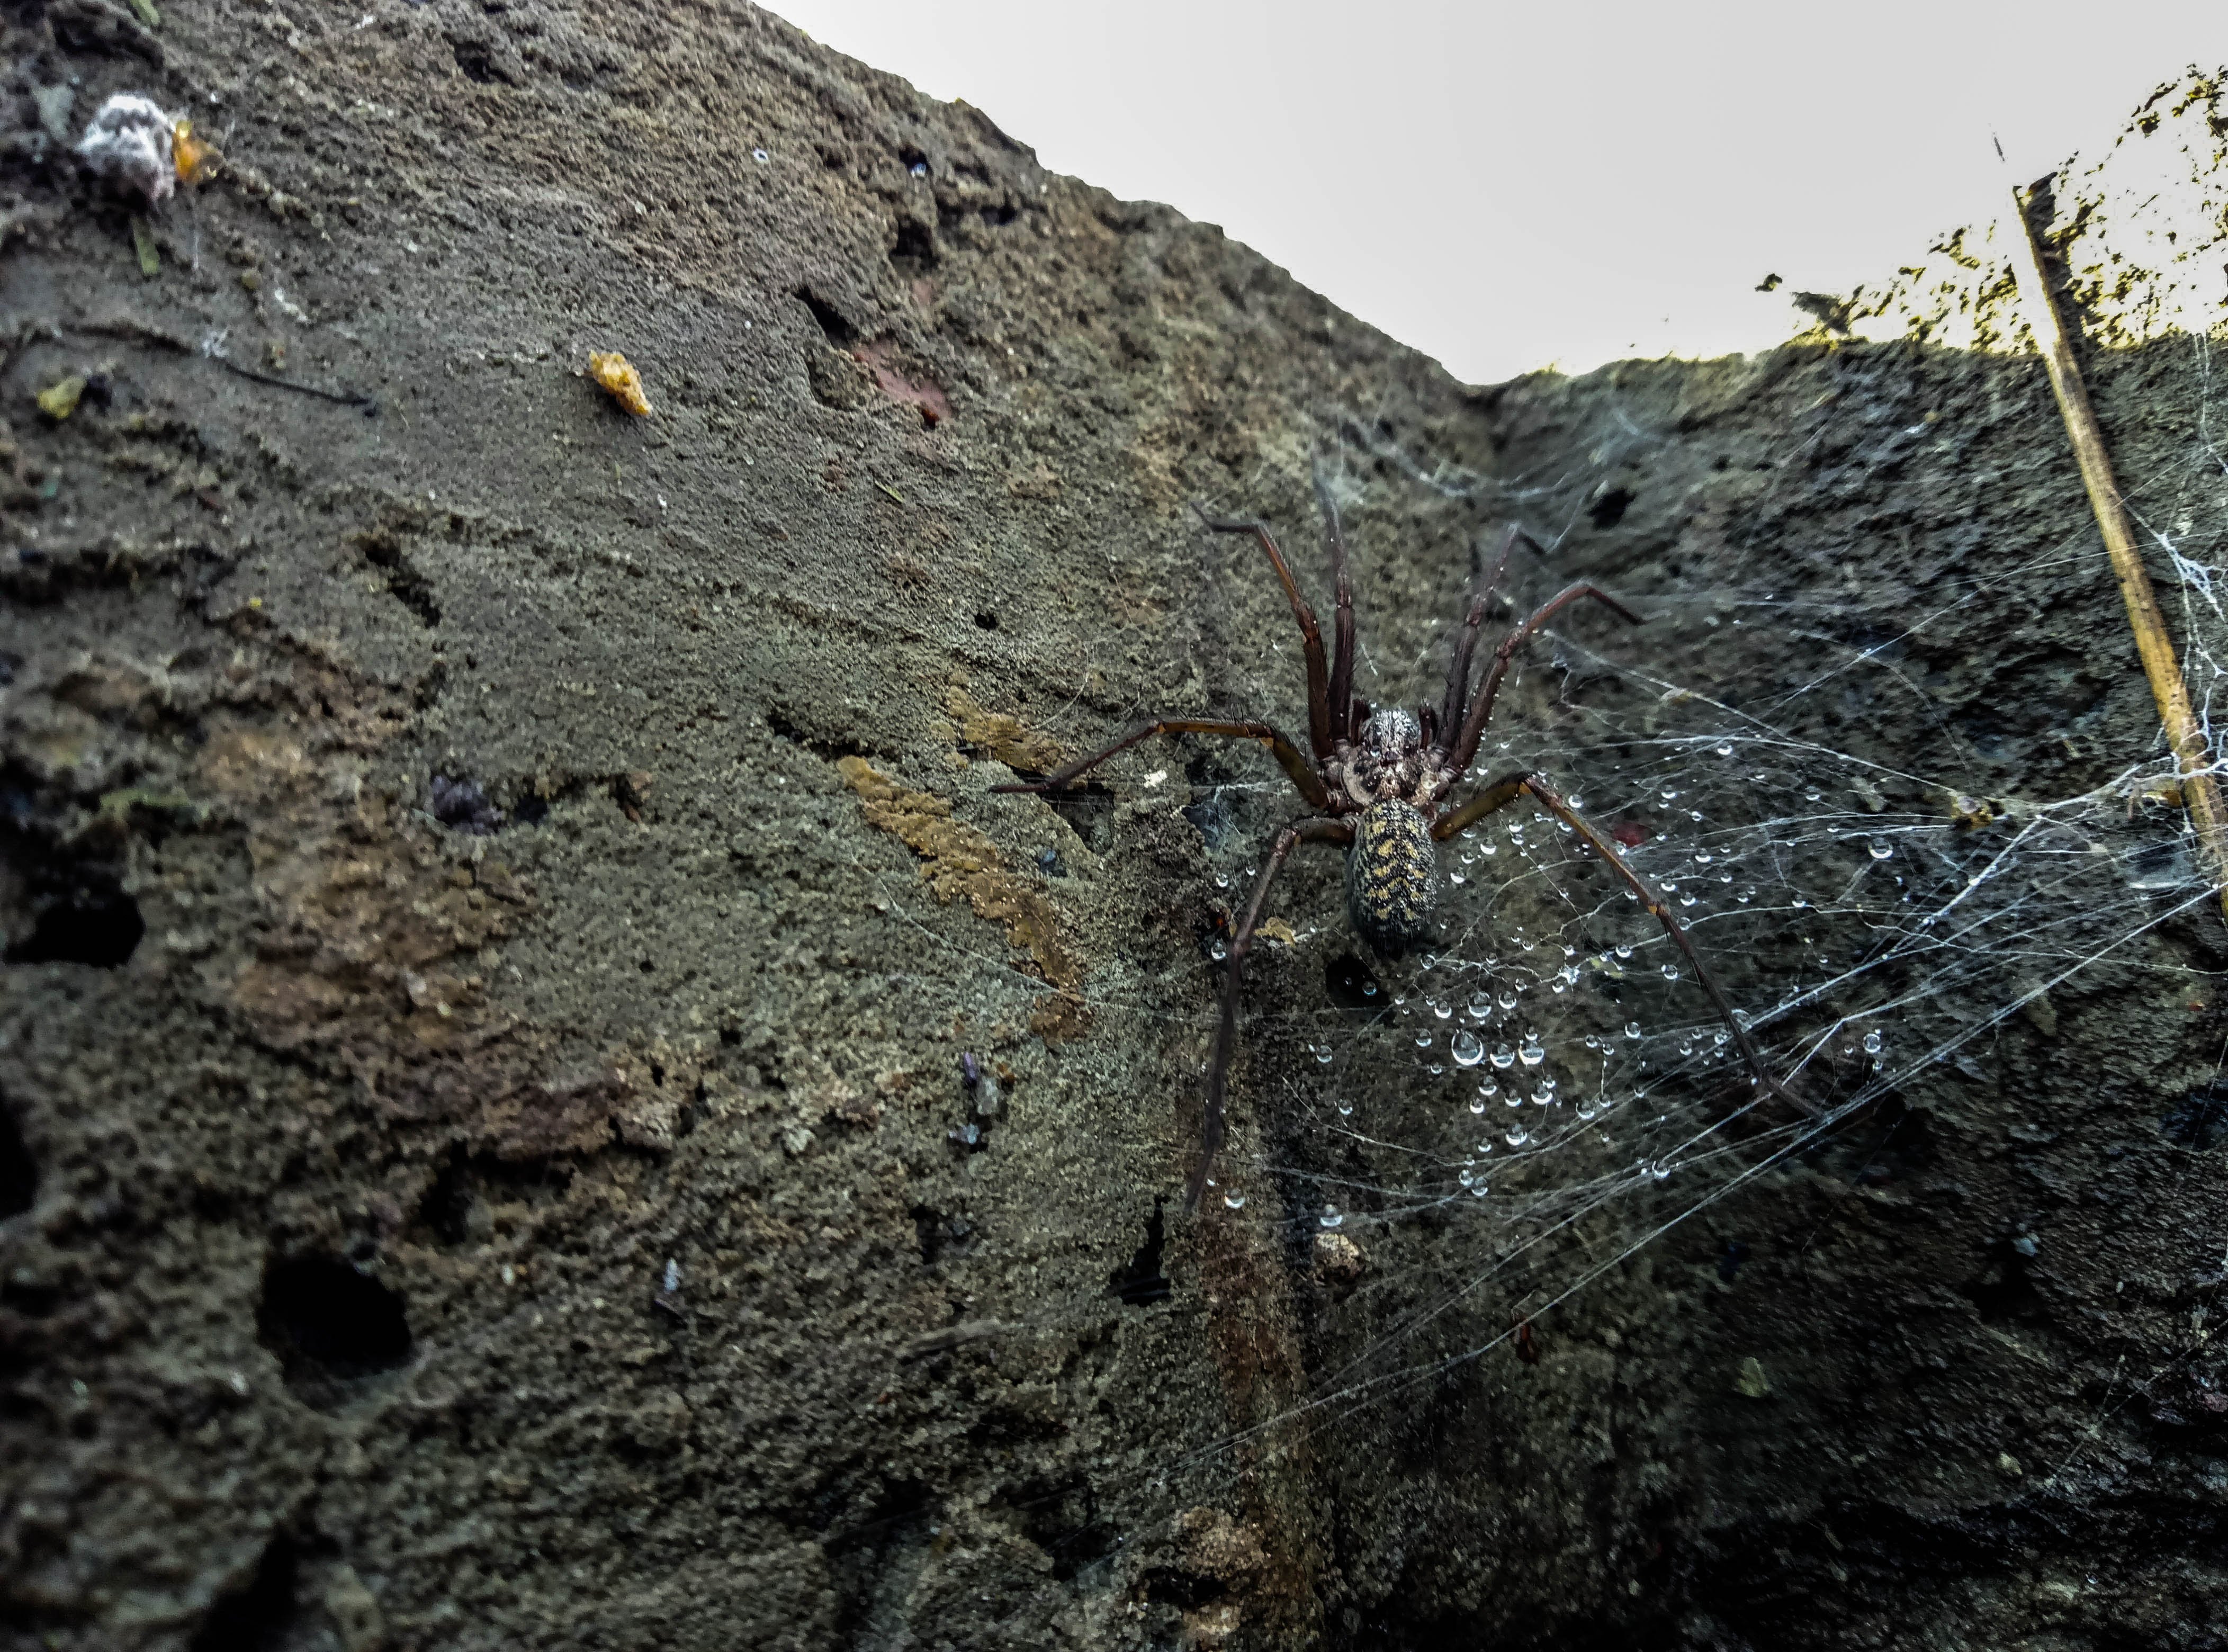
[1144, 1282]
[82, 915]
[915, 250]
[988, 621]
[834, 326]
[261, 1616]
[19, 1172]
[331, 1325]
[1608, 510]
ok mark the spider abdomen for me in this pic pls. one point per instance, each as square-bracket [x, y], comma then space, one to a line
[1391, 875]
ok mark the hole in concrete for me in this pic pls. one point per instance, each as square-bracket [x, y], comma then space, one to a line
[916, 248]
[477, 62]
[80, 915]
[1062, 1520]
[449, 1205]
[262, 1615]
[1144, 1283]
[939, 1235]
[19, 1174]
[405, 582]
[781, 723]
[330, 1325]
[1608, 510]
[840, 332]
[1350, 984]
[2004, 1291]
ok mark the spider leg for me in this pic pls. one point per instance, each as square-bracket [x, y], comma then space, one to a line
[1457, 700]
[1342, 647]
[1480, 711]
[1226, 1037]
[1319, 726]
[1501, 793]
[1303, 772]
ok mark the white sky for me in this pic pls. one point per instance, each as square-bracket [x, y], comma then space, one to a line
[1510, 186]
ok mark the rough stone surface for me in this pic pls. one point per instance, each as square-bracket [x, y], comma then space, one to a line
[497, 892]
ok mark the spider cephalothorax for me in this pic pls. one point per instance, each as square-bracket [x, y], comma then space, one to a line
[1375, 782]
[1387, 761]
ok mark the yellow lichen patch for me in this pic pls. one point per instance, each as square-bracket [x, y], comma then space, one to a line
[192, 157]
[1276, 929]
[1007, 738]
[59, 401]
[617, 374]
[958, 860]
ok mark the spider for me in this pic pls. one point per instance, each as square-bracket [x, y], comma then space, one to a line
[1379, 782]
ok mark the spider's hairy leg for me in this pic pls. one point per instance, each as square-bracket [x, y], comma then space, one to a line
[1343, 643]
[1303, 772]
[1225, 1036]
[1480, 712]
[1318, 724]
[1457, 700]
[1503, 792]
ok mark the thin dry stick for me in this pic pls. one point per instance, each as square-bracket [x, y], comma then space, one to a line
[2199, 795]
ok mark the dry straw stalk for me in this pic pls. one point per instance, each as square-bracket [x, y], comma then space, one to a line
[2200, 793]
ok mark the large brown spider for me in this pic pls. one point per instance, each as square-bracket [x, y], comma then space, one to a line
[1377, 784]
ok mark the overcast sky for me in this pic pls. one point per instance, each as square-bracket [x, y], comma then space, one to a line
[1510, 186]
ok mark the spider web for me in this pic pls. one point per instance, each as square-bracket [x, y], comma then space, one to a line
[1469, 1137]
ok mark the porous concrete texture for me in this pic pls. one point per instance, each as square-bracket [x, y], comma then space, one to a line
[497, 892]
